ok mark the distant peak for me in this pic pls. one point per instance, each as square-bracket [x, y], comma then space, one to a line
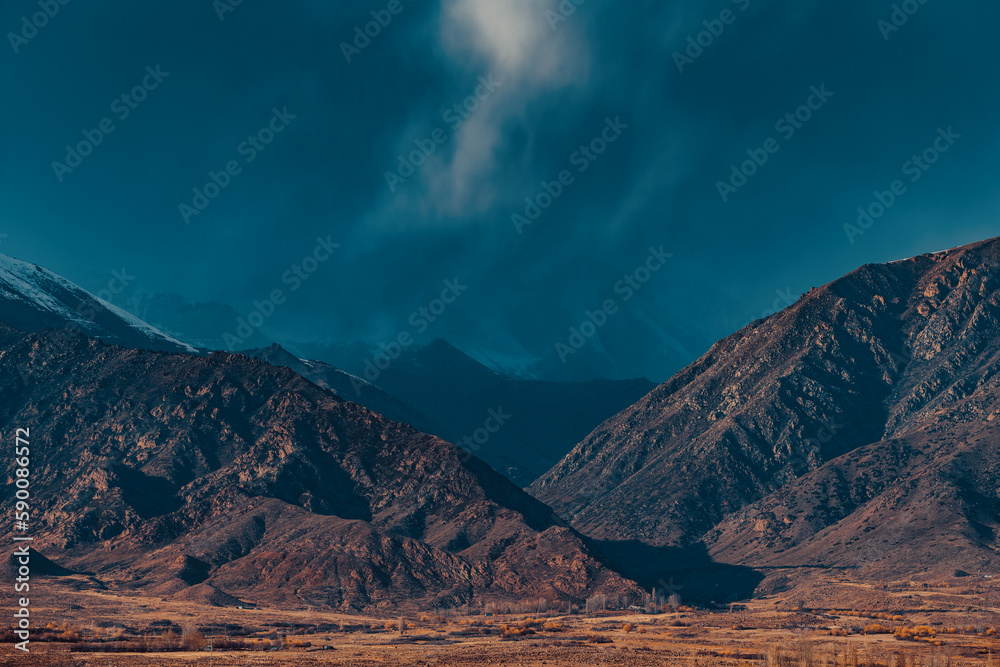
[34, 298]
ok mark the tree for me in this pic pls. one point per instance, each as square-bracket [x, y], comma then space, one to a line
[192, 640]
[597, 603]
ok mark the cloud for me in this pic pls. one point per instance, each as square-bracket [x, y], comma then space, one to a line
[516, 38]
[512, 42]
[463, 186]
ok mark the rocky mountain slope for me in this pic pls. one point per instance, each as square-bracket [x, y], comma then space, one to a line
[520, 427]
[33, 298]
[856, 428]
[347, 386]
[214, 476]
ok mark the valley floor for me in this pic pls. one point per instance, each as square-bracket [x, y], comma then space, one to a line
[901, 624]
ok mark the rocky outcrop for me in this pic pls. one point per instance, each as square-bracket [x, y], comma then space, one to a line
[161, 472]
[791, 440]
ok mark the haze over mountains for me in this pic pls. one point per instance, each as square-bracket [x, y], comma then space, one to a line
[520, 427]
[436, 389]
[647, 340]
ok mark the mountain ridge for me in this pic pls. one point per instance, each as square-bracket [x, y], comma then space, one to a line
[37, 298]
[461, 400]
[870, 358]
[139, 453]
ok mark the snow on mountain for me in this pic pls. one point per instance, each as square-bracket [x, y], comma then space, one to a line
[33, 298]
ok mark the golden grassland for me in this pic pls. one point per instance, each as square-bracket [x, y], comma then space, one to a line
[76, 626]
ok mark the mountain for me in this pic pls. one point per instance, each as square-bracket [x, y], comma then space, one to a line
[453, 400]
[203, 324]
[857, 428]
[520, 427]
[658, 334]
[33, 298]
[662, 330]
[343, 384]
[219, 476]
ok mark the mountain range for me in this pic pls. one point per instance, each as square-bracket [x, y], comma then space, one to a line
[435, 388]
[854, 430]
[162, 472]
[520, 427]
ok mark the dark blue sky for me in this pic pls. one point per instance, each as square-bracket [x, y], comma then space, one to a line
[324, 174]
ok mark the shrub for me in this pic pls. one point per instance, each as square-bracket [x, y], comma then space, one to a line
[877, 629]
[192, 640]
[910, 634]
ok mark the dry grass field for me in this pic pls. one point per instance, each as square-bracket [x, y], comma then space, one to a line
[898, 624]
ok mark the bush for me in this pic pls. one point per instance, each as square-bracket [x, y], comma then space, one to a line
[877, 629]
[192, 640]
[911, 634]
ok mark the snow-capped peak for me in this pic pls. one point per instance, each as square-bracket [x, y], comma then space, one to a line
[33, 298]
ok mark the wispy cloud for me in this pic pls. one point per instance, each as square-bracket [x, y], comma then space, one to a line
[516, 39]
[514, 43]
